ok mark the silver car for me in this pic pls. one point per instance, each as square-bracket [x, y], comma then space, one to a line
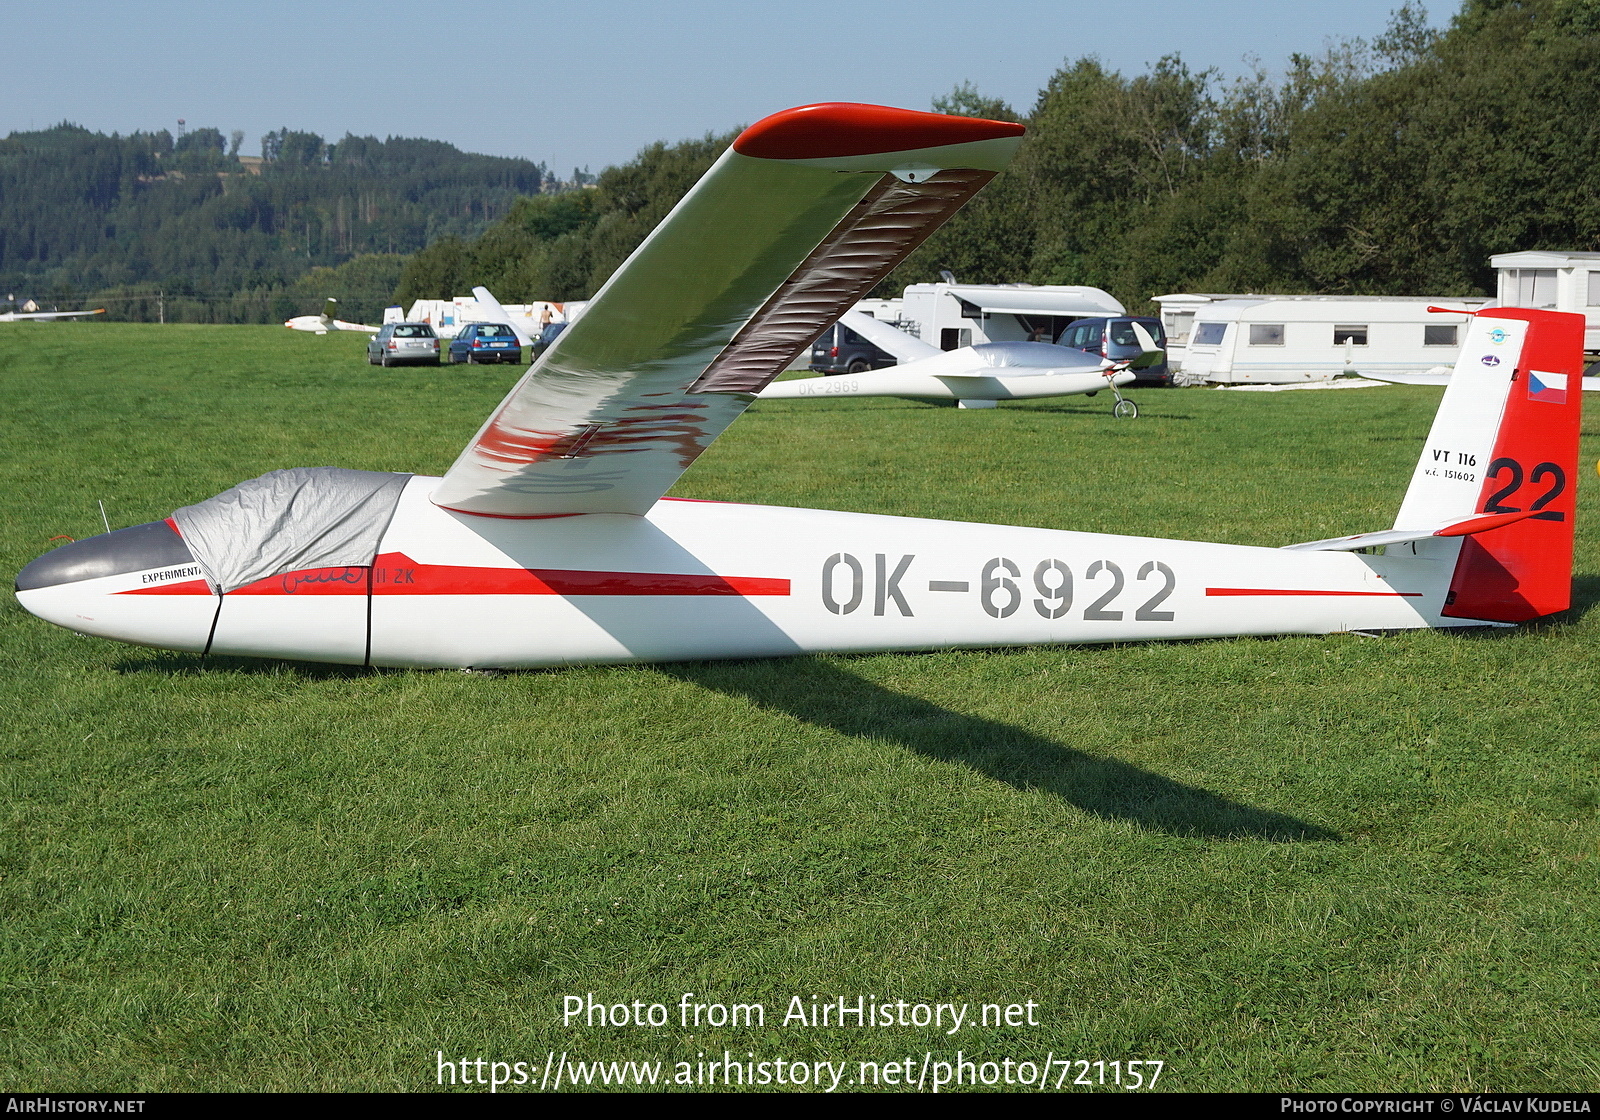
[400, 344]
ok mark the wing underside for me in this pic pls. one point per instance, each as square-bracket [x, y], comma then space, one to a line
[795, 223]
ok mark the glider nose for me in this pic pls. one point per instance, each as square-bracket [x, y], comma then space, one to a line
[138, 585]
[139, 549]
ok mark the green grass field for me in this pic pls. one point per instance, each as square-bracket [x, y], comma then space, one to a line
[1342, 863]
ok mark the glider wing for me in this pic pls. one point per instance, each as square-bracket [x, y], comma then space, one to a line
[798, 220]
[45, 316]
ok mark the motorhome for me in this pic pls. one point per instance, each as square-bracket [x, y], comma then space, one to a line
[1270, 339]
[951, 316]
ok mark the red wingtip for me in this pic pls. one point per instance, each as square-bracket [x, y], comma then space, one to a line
[842, 128]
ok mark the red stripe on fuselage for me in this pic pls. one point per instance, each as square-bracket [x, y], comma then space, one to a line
[395, 573]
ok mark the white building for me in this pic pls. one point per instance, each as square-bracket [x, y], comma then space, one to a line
[1235, 339]
[1559, 281]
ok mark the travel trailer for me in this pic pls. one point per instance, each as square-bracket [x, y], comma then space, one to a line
[1240, 339]
[951, 316]
[1555, 282]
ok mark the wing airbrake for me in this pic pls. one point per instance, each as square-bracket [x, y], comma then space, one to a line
[798, 220]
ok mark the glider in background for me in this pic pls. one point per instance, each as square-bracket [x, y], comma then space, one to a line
[44, 316]
[974, 376]
[322, 324]
[549, 541]
[531, 330]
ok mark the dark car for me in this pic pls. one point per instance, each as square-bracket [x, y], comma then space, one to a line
[1113, 338]
[403, 344]
[842, 350]
[486, 342]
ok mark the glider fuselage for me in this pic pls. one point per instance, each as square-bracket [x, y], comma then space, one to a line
[695, 580]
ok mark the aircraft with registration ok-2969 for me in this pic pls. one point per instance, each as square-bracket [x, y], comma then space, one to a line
[549, 541]
[975, 376]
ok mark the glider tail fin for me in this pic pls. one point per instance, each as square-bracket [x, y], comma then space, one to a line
[1505, 440]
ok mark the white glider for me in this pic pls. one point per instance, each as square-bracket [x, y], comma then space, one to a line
[45, 316]
[325, 322]
[973, 376]
[495, 313]
[550, 541]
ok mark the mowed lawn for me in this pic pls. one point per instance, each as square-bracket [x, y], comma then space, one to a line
[1344, 863]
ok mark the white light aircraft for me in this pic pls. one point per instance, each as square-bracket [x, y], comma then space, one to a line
[974, 376]
[325, 322]
[549, 541]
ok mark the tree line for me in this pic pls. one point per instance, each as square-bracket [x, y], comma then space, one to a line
[188, 228]
[1395, 166]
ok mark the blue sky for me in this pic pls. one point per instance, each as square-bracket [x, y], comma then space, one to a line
[589, 83]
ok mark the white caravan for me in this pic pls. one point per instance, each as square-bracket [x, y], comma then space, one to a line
[1555, 282]
[1280, 340]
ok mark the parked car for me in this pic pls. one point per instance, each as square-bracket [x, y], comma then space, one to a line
[403, 344]
[486, 342]
[842, 350]
[1112, 338]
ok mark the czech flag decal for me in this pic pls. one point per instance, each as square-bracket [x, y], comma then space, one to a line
[1551, 388]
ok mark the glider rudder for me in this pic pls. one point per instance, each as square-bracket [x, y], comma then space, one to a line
[1504, 442]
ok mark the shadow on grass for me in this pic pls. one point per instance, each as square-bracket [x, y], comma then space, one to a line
[1098, 409]
[192, 664]
[825, 696]
[1585, 596]
[821, 694]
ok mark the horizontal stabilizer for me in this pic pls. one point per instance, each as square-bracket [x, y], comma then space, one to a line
[1588, 384]
[1460, 527]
